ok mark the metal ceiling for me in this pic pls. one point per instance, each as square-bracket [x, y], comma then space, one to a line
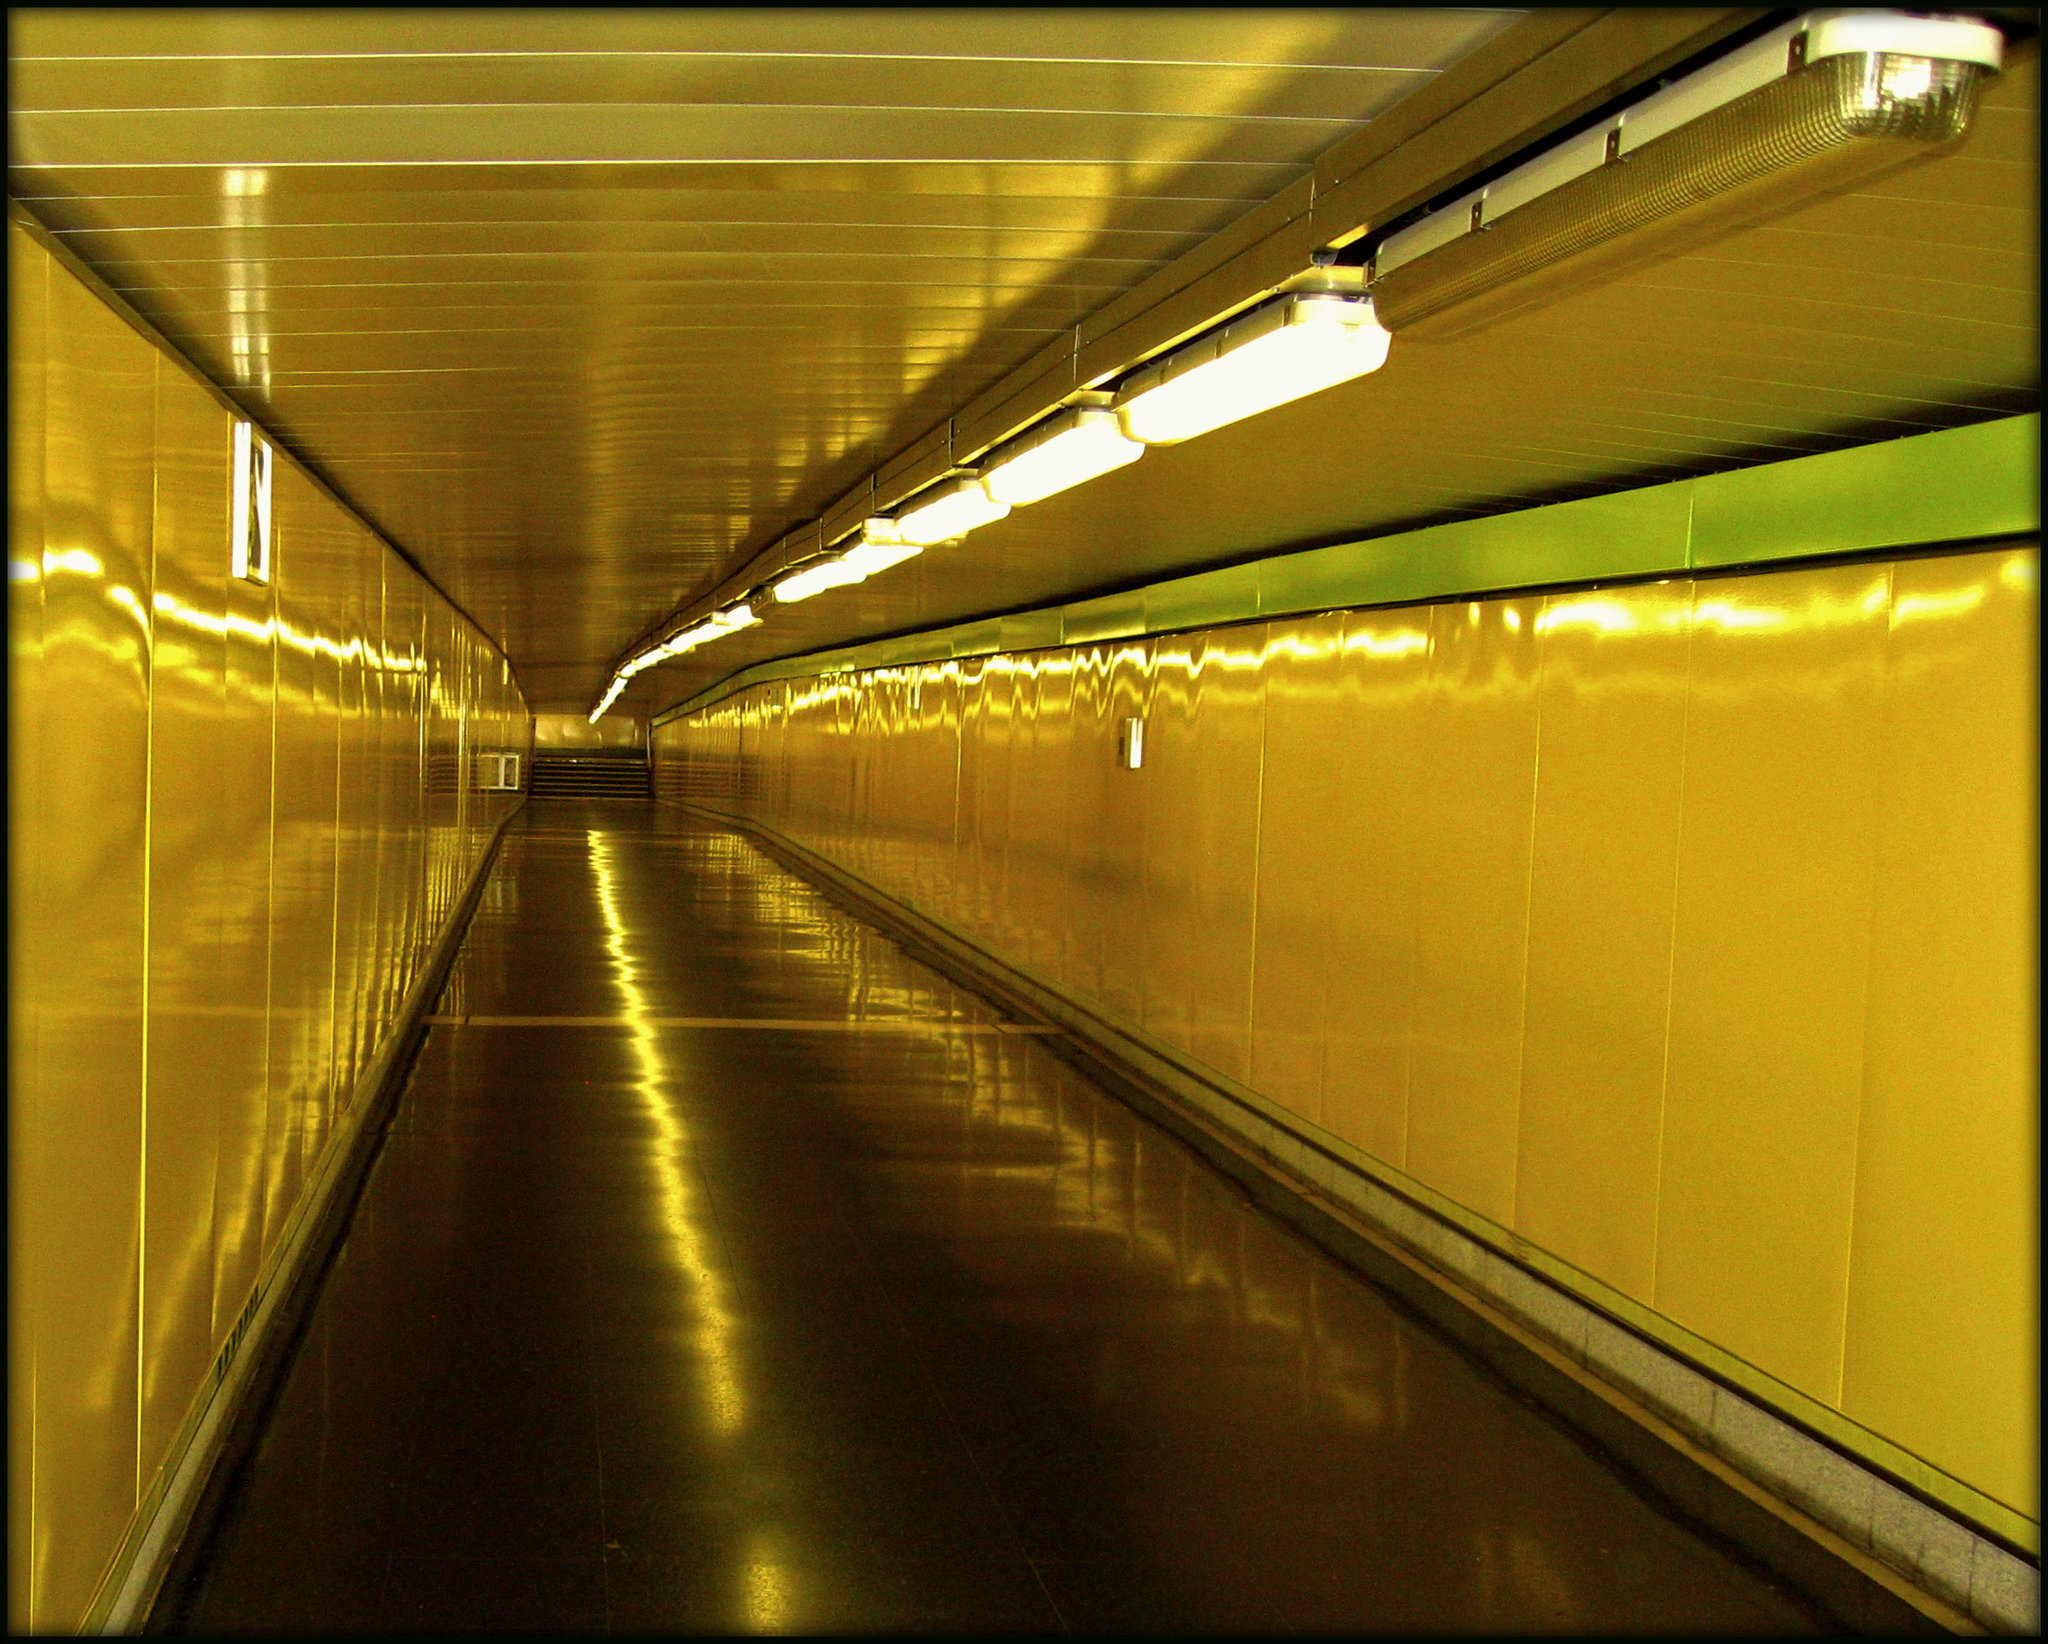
[582, 307]
[1907, 304]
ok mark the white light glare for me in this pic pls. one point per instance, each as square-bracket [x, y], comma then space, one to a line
[249, 505]
[950, 512]
[1075, 446]
[881, 545]
[728, 621]
[815, 579]
[1278, 353]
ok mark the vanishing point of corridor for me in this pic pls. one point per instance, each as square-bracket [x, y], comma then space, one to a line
[725, 1269]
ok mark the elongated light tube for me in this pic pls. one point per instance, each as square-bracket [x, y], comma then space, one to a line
[1825, 102]
[815, 579]
[720, 623]
[1298, 345]
[949, 512]
[716, 626]
[1074, 446]
[881, 545]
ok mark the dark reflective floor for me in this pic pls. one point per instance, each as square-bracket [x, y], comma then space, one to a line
[887, 1322]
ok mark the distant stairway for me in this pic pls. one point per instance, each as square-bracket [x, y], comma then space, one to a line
[608, 773]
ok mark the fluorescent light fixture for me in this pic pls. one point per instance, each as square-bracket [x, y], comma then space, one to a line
[815, 579]
[1061, 452]
[728, 621]
[1822, 103]
[1276, 353]
[720, 623]
[881, 545]
[949, 512]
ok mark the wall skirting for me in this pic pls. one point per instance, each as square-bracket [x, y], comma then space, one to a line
[1875, 1553]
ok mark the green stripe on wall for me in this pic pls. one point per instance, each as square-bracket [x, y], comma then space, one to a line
[1958, 485]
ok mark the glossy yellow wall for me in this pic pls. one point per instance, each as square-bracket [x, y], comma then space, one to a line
[232, 849]
[1683, 929]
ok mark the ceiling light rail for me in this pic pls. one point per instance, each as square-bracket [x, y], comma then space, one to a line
[1827, 100]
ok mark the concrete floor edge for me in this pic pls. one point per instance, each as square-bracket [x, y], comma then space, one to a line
[172, 1525]
[1874, 1555]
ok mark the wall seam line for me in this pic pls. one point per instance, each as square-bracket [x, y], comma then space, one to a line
[148, 841]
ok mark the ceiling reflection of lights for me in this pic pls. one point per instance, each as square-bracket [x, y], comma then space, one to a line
[1060, 453]
[1279, 352]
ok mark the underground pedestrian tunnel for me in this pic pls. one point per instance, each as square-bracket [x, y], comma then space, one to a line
[989, 821]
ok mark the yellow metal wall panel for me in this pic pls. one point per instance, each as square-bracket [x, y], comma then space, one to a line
[1380, 767]
[175, 1042]
[1609, 774]
[1464, 1096]
[1026, 832]
[1770, 965]
[1228, 739]
[867, 745]
[385, 966]
[391, 971]
[999, 723]
[330, 551]
[196, 1043]
[374, 957]
[1300, 808]
[1462, 825]
[295, 722]
[28, 286]
[302, 844]
[1085, 775]
[81, 1225]
[1169, 787]
[970, 820]
[1048, 793]
[424, 923]
[916, 803]
[1126, 815]
[242, 755]
[440, 755]
[1943, 1337]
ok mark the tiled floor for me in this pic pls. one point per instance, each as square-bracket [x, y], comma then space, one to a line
[650, 1328]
